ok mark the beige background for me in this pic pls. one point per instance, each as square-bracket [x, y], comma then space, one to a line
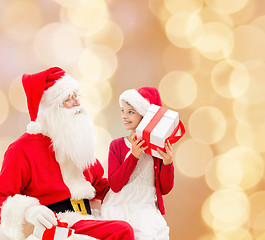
[207, 60]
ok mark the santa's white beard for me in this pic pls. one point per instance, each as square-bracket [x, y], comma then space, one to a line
[71, 134]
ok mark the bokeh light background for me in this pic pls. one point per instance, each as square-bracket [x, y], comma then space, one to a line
[207, 58]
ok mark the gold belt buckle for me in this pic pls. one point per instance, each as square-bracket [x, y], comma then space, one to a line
[79, 206]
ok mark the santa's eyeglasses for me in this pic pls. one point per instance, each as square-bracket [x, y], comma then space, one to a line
[73, 99]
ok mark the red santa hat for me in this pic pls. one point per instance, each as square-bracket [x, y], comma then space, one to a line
[141, 98]
[47, 87]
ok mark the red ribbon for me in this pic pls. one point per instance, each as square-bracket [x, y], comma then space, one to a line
[49, 233]
[151, 125]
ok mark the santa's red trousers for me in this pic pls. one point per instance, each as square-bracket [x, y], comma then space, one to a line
[105, 229]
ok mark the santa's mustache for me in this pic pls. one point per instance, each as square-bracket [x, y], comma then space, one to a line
[76, 110]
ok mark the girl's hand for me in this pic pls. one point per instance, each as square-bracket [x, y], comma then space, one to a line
[137, 148]
[167, 156]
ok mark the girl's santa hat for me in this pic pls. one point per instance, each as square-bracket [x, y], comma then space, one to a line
[52, 86]
[141, 98]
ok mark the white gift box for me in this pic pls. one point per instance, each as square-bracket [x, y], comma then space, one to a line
[55, 233]
[157, 126]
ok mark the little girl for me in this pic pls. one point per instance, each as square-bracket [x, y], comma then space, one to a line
[138, 180]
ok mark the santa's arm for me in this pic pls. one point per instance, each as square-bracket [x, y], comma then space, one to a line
[94, 174]
[14, 177]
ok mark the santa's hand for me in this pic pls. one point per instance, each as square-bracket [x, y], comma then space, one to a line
[41, 216]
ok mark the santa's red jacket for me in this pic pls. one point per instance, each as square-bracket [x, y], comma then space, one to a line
[30, 174]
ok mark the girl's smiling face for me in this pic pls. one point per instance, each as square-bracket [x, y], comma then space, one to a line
[129, 116]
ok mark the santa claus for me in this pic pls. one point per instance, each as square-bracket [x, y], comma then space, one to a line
[52, 167]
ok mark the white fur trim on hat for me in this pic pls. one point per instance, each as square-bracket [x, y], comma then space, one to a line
[135, 99]
[60, 91]
[13, 215]
[33, 127]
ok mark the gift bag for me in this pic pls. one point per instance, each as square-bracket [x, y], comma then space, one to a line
[157, 126]
[59, 232]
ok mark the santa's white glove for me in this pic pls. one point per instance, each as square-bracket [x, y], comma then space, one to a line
[41, 216]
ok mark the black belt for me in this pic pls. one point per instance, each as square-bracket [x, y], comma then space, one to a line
[81, 206]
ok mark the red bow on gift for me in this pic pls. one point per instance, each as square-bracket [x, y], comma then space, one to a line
[49, 233]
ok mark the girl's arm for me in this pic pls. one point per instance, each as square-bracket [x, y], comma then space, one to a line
[166, 173]
[119, 171]
[166, 177]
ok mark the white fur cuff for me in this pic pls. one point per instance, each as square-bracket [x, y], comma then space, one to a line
[13, 215]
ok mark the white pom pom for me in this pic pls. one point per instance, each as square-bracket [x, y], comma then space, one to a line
[33, 128]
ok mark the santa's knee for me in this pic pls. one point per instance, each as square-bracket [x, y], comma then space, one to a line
[125, 230]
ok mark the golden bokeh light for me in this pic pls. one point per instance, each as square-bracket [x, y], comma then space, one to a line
[206, 212]
[110, 35]
[88, 14]
[91, 100]
[261, 236]
[4, 143]
[192, 158]
[226, 6]
[210, 175]
[251, 39]
[229, 171]
[105, 92]
[108, 59]
[229, 205]
[252, 165]
[251, 115]
[182, 92]
[4, 107]
[174, 6]
[219, 220]
[259, 23]
[206, 237]
[16, 20]
[184, 29]
[89, 65]
[207, 125]
[17, 96]
[159, 10]
[66, 3]
[232, 234]
[102, 139]
[252, 137]
[206, 58]
[209, 15]
[189, 62]
[57, 43]
[254, 94]
[97, 62]
[230, 79]
[216, 42]
[257, 213]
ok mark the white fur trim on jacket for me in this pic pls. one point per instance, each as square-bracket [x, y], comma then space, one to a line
[73, 217]
[135, 99]
[13, 215]
[75, 180]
